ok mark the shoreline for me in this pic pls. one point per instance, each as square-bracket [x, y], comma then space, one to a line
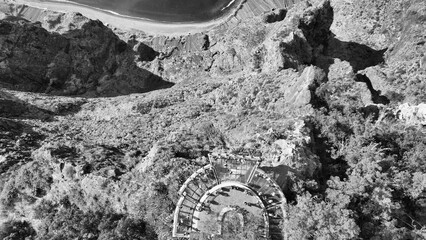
[130, 23]
[225, 11]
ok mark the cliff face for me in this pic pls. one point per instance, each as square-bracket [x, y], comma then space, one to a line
[89, 60]
[330, 93]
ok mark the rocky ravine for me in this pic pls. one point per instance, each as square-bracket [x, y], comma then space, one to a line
[297, 86]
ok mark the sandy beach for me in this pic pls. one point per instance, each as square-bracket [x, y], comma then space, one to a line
[126, 22]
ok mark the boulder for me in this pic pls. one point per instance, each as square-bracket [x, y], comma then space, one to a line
[299, 94]
[412, 114]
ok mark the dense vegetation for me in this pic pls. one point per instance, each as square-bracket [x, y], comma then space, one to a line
[67, 221]
[372, 182]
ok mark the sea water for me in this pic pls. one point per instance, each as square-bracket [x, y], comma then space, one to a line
[165, 10]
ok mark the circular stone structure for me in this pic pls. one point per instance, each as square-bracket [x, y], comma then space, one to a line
[230, 198]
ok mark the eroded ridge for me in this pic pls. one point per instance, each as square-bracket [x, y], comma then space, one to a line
[230, 196]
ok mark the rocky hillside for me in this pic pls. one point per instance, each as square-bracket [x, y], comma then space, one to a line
[330, 93]
[90, 60]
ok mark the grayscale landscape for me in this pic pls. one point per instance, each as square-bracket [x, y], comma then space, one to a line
[249, 119]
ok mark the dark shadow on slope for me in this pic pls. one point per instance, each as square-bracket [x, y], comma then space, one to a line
[376, 96]
[330, 166]
[146, 53]
[12, 127]
[13, 108]
[358, 55]
[17, 141]
[281, 175]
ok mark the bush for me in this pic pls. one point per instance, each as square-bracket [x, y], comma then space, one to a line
[17, 230]
[66, 221]
[312, 218]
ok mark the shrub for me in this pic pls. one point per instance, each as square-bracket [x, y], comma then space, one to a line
[66, 221]
[17, 230]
